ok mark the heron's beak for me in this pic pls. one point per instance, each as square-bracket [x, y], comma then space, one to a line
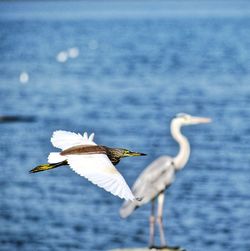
[131, 154]
[200, 120]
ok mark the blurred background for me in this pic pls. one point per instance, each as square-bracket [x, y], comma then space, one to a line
[123, 69]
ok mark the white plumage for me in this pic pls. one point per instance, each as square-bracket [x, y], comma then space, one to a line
[55, 157]
[97, 168]
[63, 139]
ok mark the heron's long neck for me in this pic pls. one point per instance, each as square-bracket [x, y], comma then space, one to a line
[182, 157]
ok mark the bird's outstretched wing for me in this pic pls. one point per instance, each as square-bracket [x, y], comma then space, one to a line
[98, 169]
[64, 139]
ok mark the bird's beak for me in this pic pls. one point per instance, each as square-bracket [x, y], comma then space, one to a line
[200, 120]
[131, 154]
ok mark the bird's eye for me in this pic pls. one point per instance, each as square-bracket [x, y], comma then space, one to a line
[183, 116]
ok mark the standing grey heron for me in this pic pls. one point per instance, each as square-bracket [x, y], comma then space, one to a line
[159, 175]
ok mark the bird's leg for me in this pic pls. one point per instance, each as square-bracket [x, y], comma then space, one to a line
[152, 224]
[159, 218]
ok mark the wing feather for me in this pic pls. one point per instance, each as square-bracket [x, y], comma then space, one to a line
[64, 139]
[55, 157]
[98, 169]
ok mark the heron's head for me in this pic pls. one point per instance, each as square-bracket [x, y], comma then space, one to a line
[184, 119]
[121, 153]
[128, 153]
[115, 154]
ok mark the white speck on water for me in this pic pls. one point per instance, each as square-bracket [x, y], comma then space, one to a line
[24, 77]
[62, 57]
[73, 52]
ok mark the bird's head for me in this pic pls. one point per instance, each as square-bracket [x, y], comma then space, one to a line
[121, 153]
[184, 119]
[128, 153]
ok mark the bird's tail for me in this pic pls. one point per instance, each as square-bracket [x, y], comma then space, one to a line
[127, 208]
[45, 167]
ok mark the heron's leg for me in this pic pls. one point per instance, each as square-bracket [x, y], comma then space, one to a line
[152, 224]
[159, 218]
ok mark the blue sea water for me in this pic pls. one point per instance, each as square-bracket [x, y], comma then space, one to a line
[139, 64]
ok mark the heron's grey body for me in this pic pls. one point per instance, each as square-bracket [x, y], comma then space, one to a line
[160, 174]
[153, 180]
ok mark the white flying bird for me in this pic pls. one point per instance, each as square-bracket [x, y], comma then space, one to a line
[92, 161]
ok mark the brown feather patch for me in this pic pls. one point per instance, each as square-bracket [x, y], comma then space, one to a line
[84, 150]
